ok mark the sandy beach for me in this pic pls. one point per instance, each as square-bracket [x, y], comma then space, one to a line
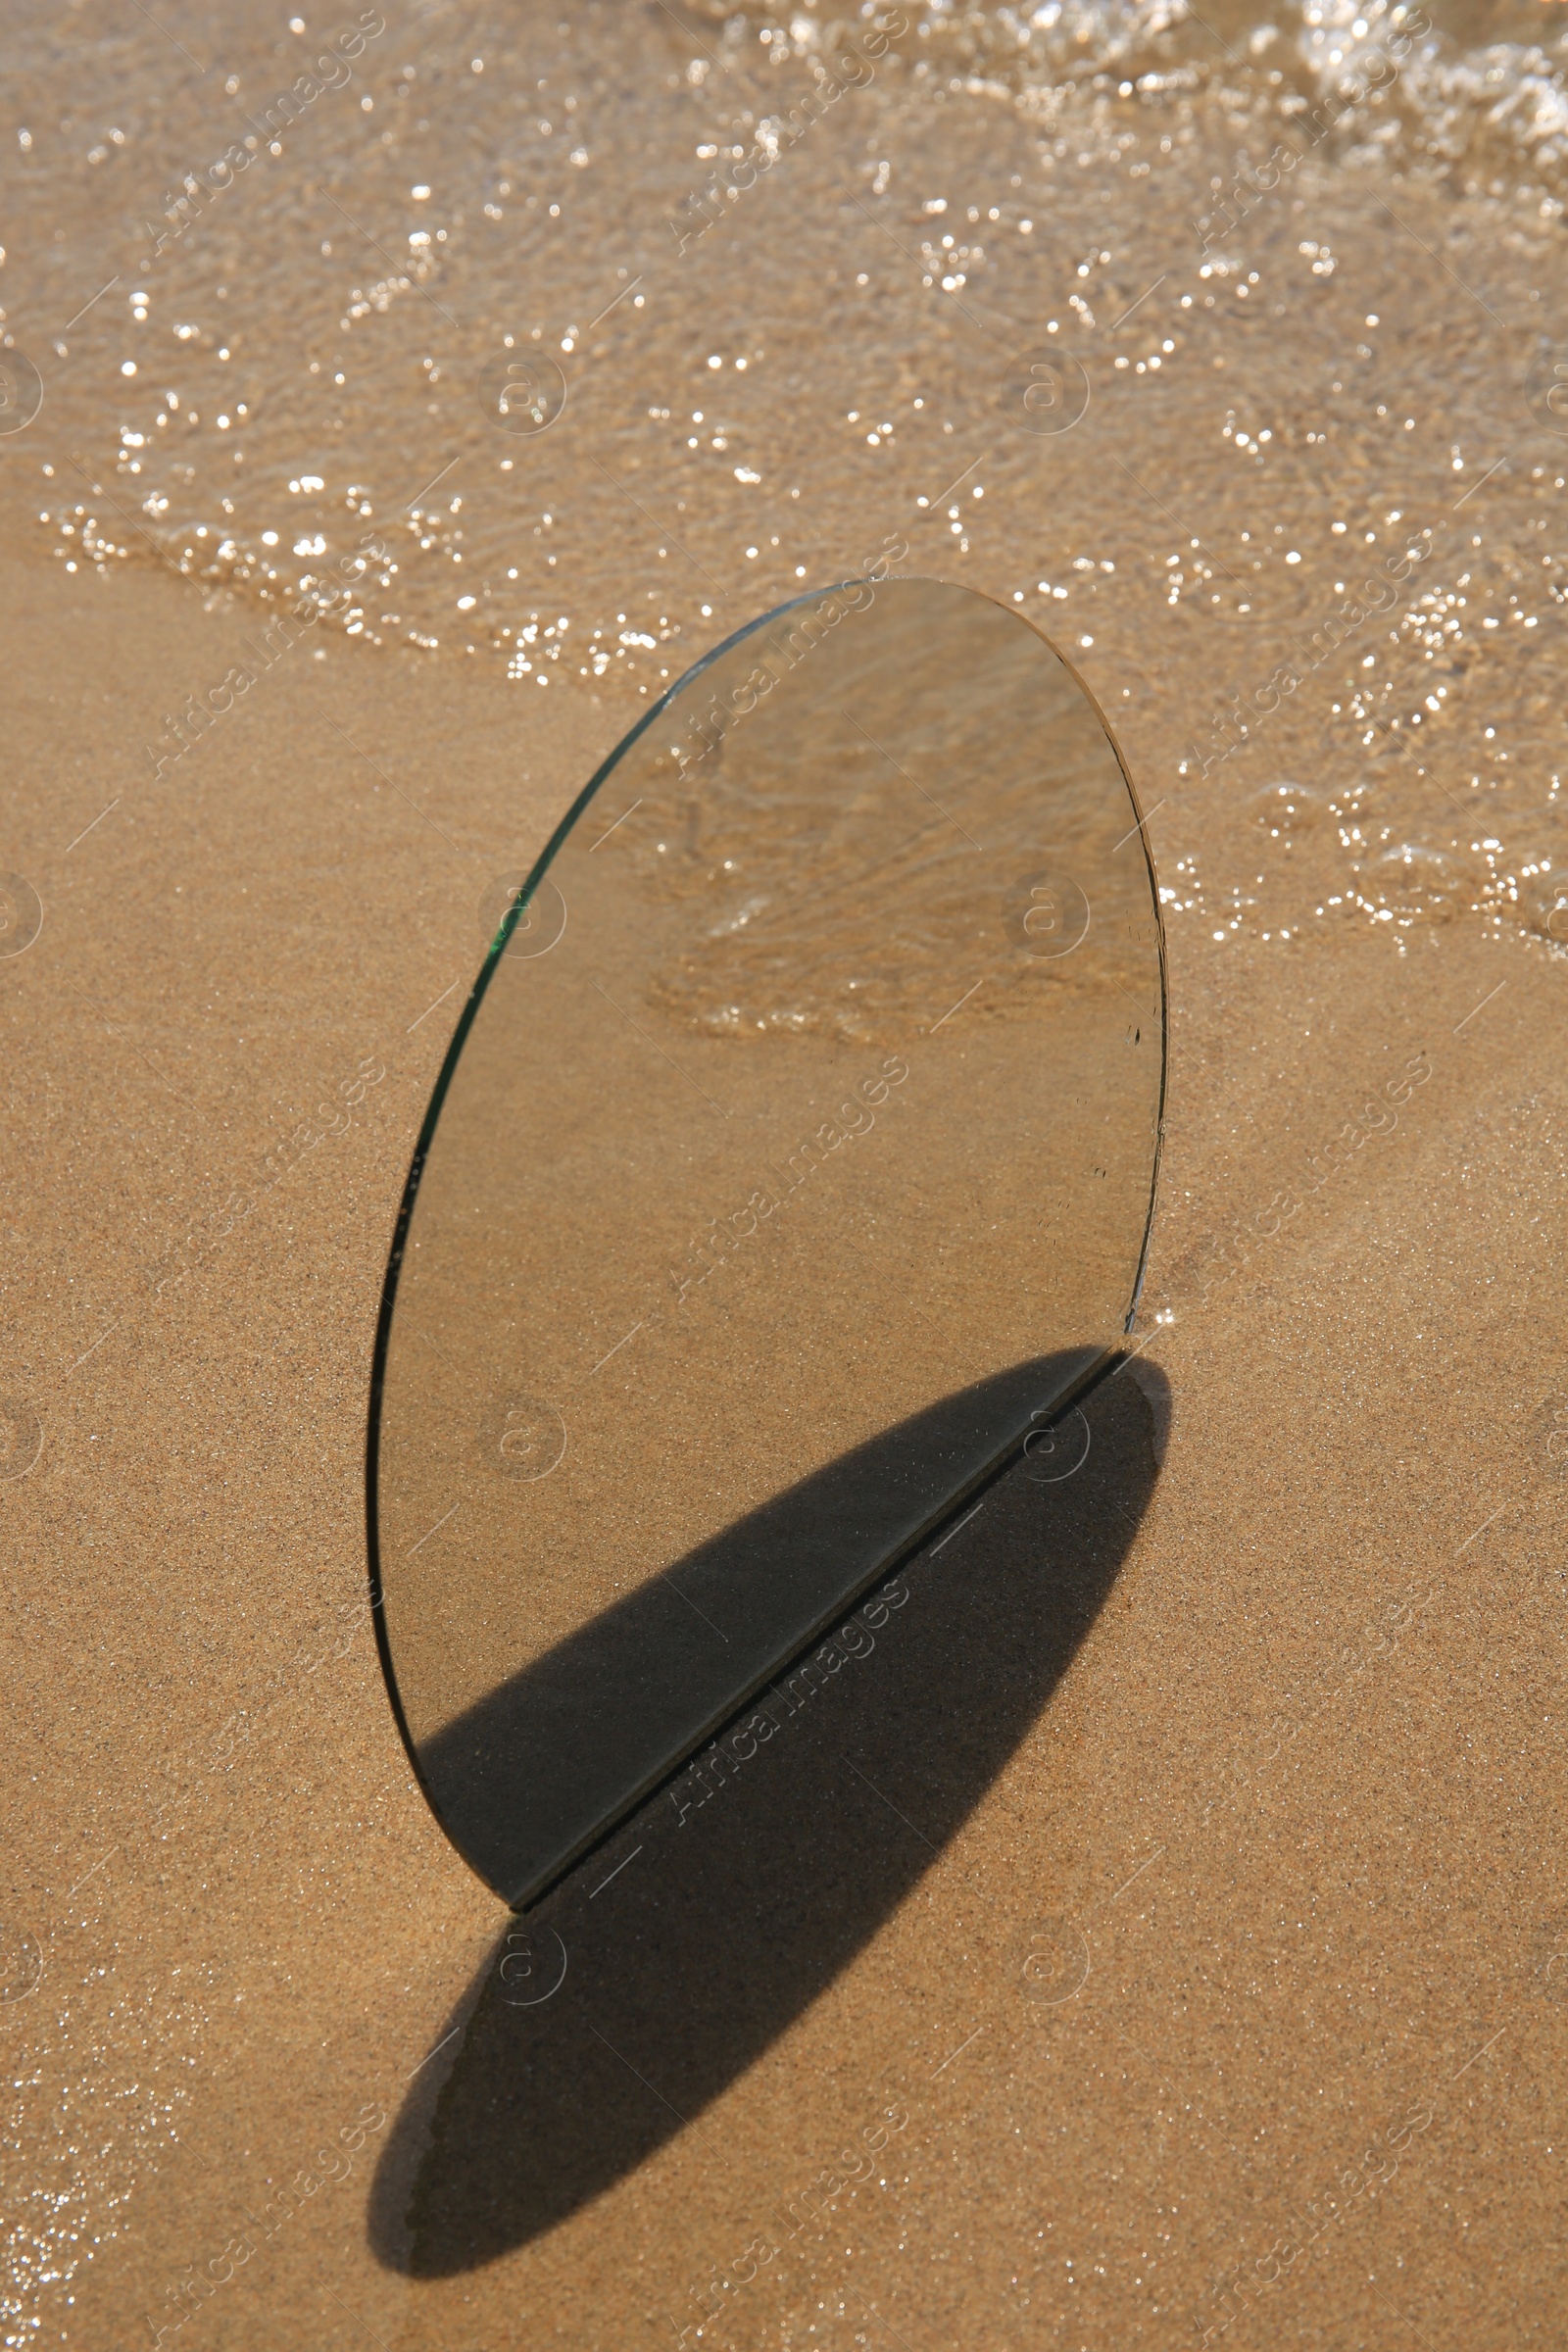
[1151, 1929]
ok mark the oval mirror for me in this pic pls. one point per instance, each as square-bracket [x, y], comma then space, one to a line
[790, 1169]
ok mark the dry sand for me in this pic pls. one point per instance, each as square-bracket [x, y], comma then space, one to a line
[1166, 1914]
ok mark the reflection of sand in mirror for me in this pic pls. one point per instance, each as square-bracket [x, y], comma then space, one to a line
[796, 1128]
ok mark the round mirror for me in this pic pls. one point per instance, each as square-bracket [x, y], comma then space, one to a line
[791, 1168]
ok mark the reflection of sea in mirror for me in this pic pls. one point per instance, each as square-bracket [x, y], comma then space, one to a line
[834, 889]
[761, 1190]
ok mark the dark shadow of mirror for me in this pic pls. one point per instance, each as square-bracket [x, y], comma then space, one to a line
[734, 1898]
[537, 1771]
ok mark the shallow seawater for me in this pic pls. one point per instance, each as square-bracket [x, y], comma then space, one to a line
[1173, 331]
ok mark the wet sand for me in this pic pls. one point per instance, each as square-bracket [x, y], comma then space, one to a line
[1169, 1905]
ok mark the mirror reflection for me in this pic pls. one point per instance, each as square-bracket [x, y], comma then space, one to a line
[791, 1166]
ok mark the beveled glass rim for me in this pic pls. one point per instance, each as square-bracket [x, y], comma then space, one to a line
[1092, 1373]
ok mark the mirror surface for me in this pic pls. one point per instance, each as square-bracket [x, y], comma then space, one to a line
[794, 1156]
